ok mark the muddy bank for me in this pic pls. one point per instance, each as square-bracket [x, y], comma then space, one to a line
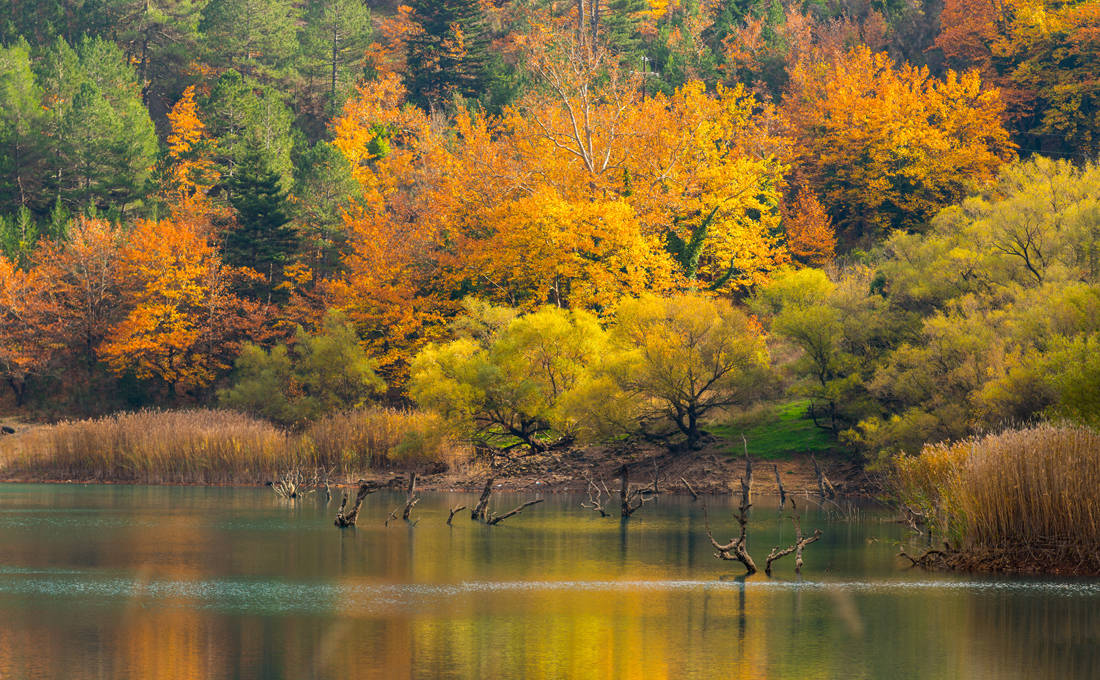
[710, 471]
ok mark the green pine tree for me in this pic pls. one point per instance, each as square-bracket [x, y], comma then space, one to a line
[257, 37]
[22, 142]
[449, 57]
[263, 238]
[334, 38]
[247, 118]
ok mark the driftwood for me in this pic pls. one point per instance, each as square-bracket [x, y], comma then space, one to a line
[493, 520]
[595, 497]
[454, 510]
[799, 543]
[291, 485]
[630, 498]
[779, 483]
[737, 548]
[824, 487]
[348, 519]
[694, 496]
[411, 498]
[478, 513]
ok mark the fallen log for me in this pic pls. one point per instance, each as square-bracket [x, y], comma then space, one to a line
[497, 519]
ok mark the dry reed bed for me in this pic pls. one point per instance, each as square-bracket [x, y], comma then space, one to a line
[221, 447]
[1031, 496]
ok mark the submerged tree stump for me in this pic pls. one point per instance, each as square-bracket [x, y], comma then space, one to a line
[348, 519]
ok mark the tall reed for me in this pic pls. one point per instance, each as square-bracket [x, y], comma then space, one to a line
[1032, 488]
[377, 438]
[220, 447]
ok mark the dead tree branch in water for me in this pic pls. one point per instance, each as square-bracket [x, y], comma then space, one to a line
[799, 543]
[348, 519]
[493, 520]
[411, 498]
[291, 485]
[737, 548]
[824, 487]
[630, 499]
[694, 496]
[779, 483]
[482, 513]
[746, 481]
[454, 510]
[595, 497]
[478, 513]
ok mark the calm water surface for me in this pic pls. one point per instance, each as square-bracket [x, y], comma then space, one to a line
[151, 582]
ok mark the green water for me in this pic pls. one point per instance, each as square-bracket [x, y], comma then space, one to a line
[149, 582]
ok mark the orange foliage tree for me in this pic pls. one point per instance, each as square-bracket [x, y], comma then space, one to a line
[580, 195]
[809, 231]
[884, 146]
[189, 169]
[83, 271]
[183, 325]
[27, 332]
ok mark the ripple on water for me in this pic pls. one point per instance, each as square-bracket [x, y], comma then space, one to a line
[282, 596]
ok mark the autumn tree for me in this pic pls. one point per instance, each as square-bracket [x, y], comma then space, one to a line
[528, 209]
[27, 336]
[885, 147]
[683, 358]
[503, 382]
[189, 171]
[183, 325]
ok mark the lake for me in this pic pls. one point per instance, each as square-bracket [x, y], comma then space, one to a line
[165, 582]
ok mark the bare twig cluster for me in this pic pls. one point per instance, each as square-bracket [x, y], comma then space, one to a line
[800, 542]
[292, 485]
[737, 549]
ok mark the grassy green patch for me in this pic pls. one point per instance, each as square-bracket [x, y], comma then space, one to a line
[776, 432]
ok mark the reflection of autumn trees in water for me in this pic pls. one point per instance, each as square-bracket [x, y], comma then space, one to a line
[233, 587]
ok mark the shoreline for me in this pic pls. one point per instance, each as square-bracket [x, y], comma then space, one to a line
[709, 472]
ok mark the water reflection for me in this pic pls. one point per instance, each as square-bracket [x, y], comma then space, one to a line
[112, 582]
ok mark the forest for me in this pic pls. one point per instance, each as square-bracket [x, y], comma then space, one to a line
[531, 223]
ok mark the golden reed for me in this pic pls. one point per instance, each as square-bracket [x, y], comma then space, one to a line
[220, 447]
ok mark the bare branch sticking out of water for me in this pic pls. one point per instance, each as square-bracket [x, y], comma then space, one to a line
[344, 520]
[799, 543]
